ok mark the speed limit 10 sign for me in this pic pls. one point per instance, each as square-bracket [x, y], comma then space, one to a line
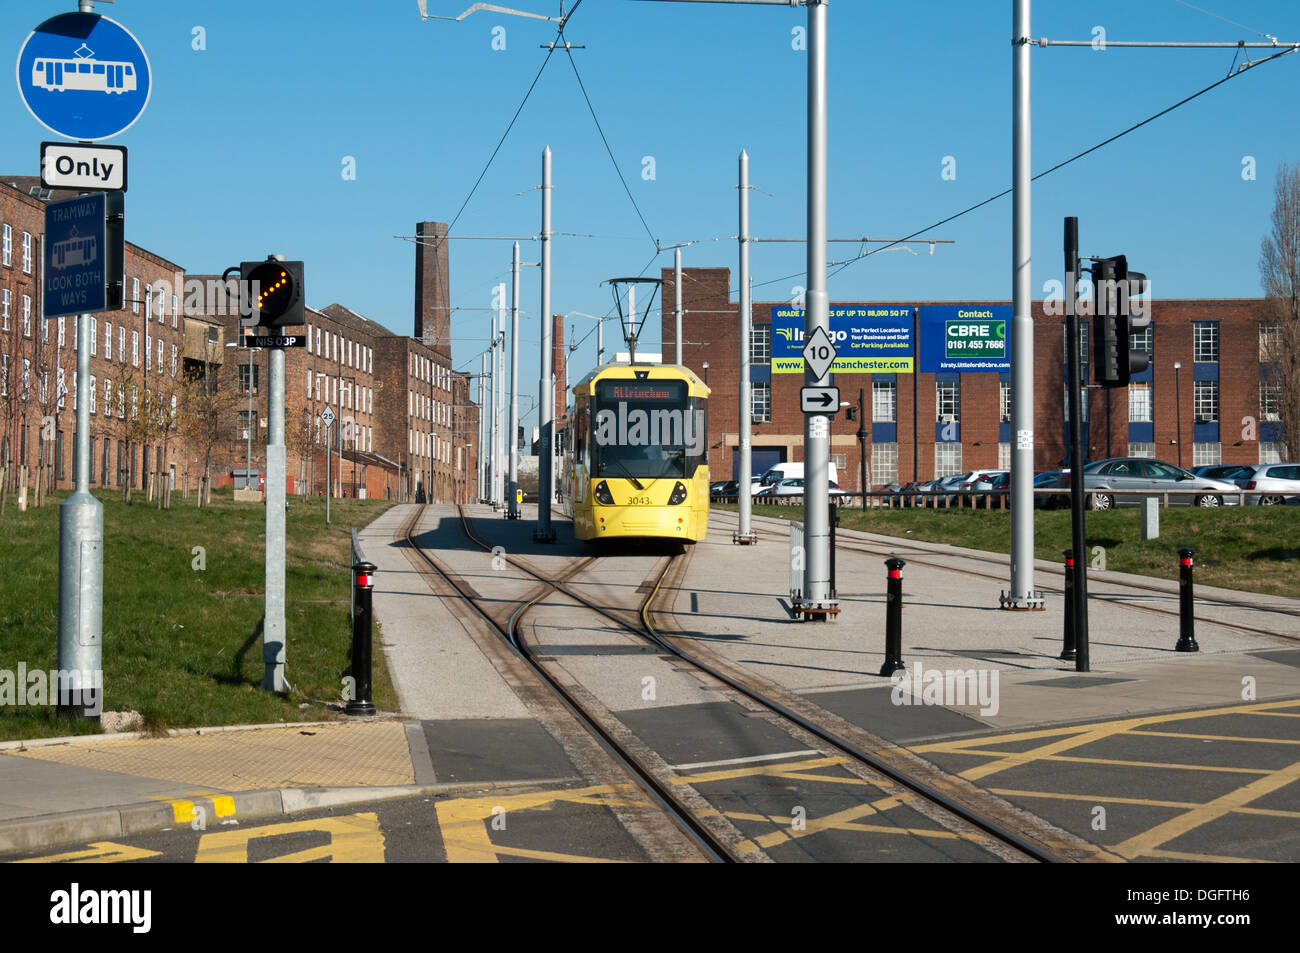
[819, 353]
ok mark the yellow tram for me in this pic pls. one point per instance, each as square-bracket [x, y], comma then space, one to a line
[640, 453]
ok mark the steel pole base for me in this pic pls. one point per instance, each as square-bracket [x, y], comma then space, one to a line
[1187, 644]
[360, 708]
[819, 611]
[749, 539]
[1067, 655]
[1036, 601]
[891, 666]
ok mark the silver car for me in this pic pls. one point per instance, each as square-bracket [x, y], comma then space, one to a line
[1116, 481]
[1277, 482]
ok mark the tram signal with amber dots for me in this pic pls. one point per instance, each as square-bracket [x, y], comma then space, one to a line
[272, 291]
[1115, 319]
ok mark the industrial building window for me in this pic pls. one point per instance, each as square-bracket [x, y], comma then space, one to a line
[1270, 401]
[1205, 341]
[135, 295]
[244, 423]
[7, 252]
[760, 402]
[1004, 456]
[1206, 454]
[27, 252]
[1139, 402]
[884, 401]
[1147, 450]
[1143, 340]
[947, 402]
[884, 463]
[92, 393]
[6, 296]
[121, 340]
[1004, 401]
[27, 318]
[1205, 400]
[1270, 342]
[1270, 452]
[840, 460]
[760, 344]
[947, 459]
[247, 377]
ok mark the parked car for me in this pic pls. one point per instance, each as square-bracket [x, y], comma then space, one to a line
[998, 484]
[792, 487]
[1230, 472]
[1280, 483]
[1116, 481]
[1052, 480]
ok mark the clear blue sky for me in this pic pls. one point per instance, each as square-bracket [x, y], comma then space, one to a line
[241, 150]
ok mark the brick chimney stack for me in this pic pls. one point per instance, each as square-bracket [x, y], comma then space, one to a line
[433, 286]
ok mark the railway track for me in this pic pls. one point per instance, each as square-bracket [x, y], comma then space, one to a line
[1015, 834]
[865, 547]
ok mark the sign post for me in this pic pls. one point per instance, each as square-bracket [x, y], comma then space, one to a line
[327, 418]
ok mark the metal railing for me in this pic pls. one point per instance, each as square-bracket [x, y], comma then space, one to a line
[995, 499]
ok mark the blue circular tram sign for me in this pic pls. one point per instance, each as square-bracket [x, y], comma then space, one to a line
[84, 76]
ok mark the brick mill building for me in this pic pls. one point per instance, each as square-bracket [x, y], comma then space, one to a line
[406, 427]
[1210, 409]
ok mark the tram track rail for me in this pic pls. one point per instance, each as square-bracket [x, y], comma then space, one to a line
[710, 845]
[954, 796]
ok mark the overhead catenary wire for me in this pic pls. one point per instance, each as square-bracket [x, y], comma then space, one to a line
[1047, 172]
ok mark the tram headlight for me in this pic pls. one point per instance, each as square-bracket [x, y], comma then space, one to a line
[679, 494]
[602, 494]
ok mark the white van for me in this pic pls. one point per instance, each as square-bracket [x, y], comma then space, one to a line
[791, 471]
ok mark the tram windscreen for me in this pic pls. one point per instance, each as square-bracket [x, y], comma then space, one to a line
[647, 430]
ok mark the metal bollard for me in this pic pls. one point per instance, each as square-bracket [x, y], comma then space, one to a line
[893, 618]
[1068, 649]
[1186, 620]
[363, 579]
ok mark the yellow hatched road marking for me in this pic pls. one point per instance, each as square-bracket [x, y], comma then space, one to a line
[354, 839]
[100, 852]
[1205, 813]
[1181, 734]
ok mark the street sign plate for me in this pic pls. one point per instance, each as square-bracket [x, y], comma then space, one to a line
[819, 353]
[327, 416]
[83, 168]
[275, 340]
[82, 255]
[819, 400]
[84, 76]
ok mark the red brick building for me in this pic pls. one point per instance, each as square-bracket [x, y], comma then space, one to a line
[1210, 409]
[137, 356]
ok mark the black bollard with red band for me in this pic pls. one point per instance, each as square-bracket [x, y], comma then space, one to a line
[893, 617]
[1068, 648]
[1186, 617]
[363, 578]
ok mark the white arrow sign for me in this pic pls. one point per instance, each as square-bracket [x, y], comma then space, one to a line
[819, 400]
[819, 353]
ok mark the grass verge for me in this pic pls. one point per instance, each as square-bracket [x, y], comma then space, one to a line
[183, 602]
[1255, 548]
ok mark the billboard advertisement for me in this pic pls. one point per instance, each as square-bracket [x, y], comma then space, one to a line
[965, 338]
[868, 339]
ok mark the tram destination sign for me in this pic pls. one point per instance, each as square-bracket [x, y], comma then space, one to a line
[82, 167]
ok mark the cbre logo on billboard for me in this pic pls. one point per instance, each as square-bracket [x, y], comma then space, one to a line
[971, 336]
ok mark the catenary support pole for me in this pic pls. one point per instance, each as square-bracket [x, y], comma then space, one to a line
[744, 412]
[1021, 594]
[81, 566]
[494, 465]
[546, 394]
[512, 490]
[273, 626]
[485, 451]
[677, 306]
[817, 593]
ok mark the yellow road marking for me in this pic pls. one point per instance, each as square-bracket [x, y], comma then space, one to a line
[100, 852]
[1205, 858]
[499, 849]
[1180, 734]
[1205, 813]
[354, 839]
[1119, 762]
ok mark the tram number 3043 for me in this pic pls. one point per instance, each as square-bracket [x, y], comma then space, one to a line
[640, 501]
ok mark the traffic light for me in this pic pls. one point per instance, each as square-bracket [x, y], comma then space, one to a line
[851, 413]
[272, 292]
[1114, 320]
